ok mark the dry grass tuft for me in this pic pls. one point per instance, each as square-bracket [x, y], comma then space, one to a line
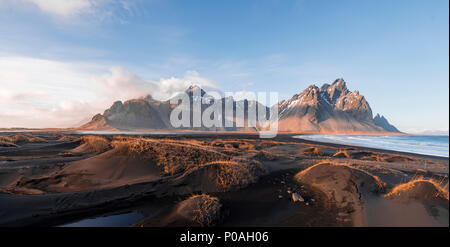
[12, 141]
[172, 157]
[6, 141]
[241, 145]
[96, 144]
[422, 189]
[342, 154]
[67, 138]
[27, 139]
[202, 209]
[230, 174]
[312, 151]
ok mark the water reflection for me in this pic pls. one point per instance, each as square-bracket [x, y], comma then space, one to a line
[117, 220]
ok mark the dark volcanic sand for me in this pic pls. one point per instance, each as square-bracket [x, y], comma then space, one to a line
[36, 193]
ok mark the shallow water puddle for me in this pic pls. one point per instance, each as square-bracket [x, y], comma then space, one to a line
[118, 220]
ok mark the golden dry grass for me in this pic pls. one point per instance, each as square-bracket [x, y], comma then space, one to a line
[342, 154]
[419, 189]
[202, 209]
[96, 143]
[312, 151]
[27, 139]
[6, 141]
[66, 138]
[241, 144]
[171, 156]
[231, 173]
[20, 139]
[175, 157]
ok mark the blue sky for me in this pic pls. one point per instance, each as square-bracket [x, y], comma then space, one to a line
[62, 61]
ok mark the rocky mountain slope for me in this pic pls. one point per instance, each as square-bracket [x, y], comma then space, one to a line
[147, 113]
[382, 122]
[328, 109]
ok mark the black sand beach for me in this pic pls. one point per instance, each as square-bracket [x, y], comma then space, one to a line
[57, 178]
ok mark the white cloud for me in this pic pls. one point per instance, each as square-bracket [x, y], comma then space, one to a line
[245, 95]
[100, 9]
[119, 84]
[63, 7]
[43, 93]
[10, 96]
[35, 92]
[170, 86]
[124, 85]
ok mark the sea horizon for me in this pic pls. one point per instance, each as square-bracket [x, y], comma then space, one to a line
[434, 145]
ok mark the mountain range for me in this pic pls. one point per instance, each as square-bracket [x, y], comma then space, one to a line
[332, 108]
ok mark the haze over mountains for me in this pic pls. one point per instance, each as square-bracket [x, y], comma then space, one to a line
[328, 109]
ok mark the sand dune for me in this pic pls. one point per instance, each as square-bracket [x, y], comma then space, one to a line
[16, 140]
[423, 190]
[137, 160]
[202, 210]
[346, 186]
[253, 179]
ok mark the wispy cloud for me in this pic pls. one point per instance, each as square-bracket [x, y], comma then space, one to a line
[101, 9]
[7, 96]
[63, 8]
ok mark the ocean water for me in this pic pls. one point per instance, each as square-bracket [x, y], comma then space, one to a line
[429, 145]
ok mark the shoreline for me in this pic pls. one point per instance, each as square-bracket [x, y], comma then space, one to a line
[373, 148]
[285, 137]
[220, 134]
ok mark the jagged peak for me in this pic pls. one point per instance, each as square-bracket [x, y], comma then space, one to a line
[195, 88]
[378, 116]
[324, 87]
[97, 117]
[339, 81]
[382, 122]
[148, 97]
[338, 84]
[117, 103]
[312, 88]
